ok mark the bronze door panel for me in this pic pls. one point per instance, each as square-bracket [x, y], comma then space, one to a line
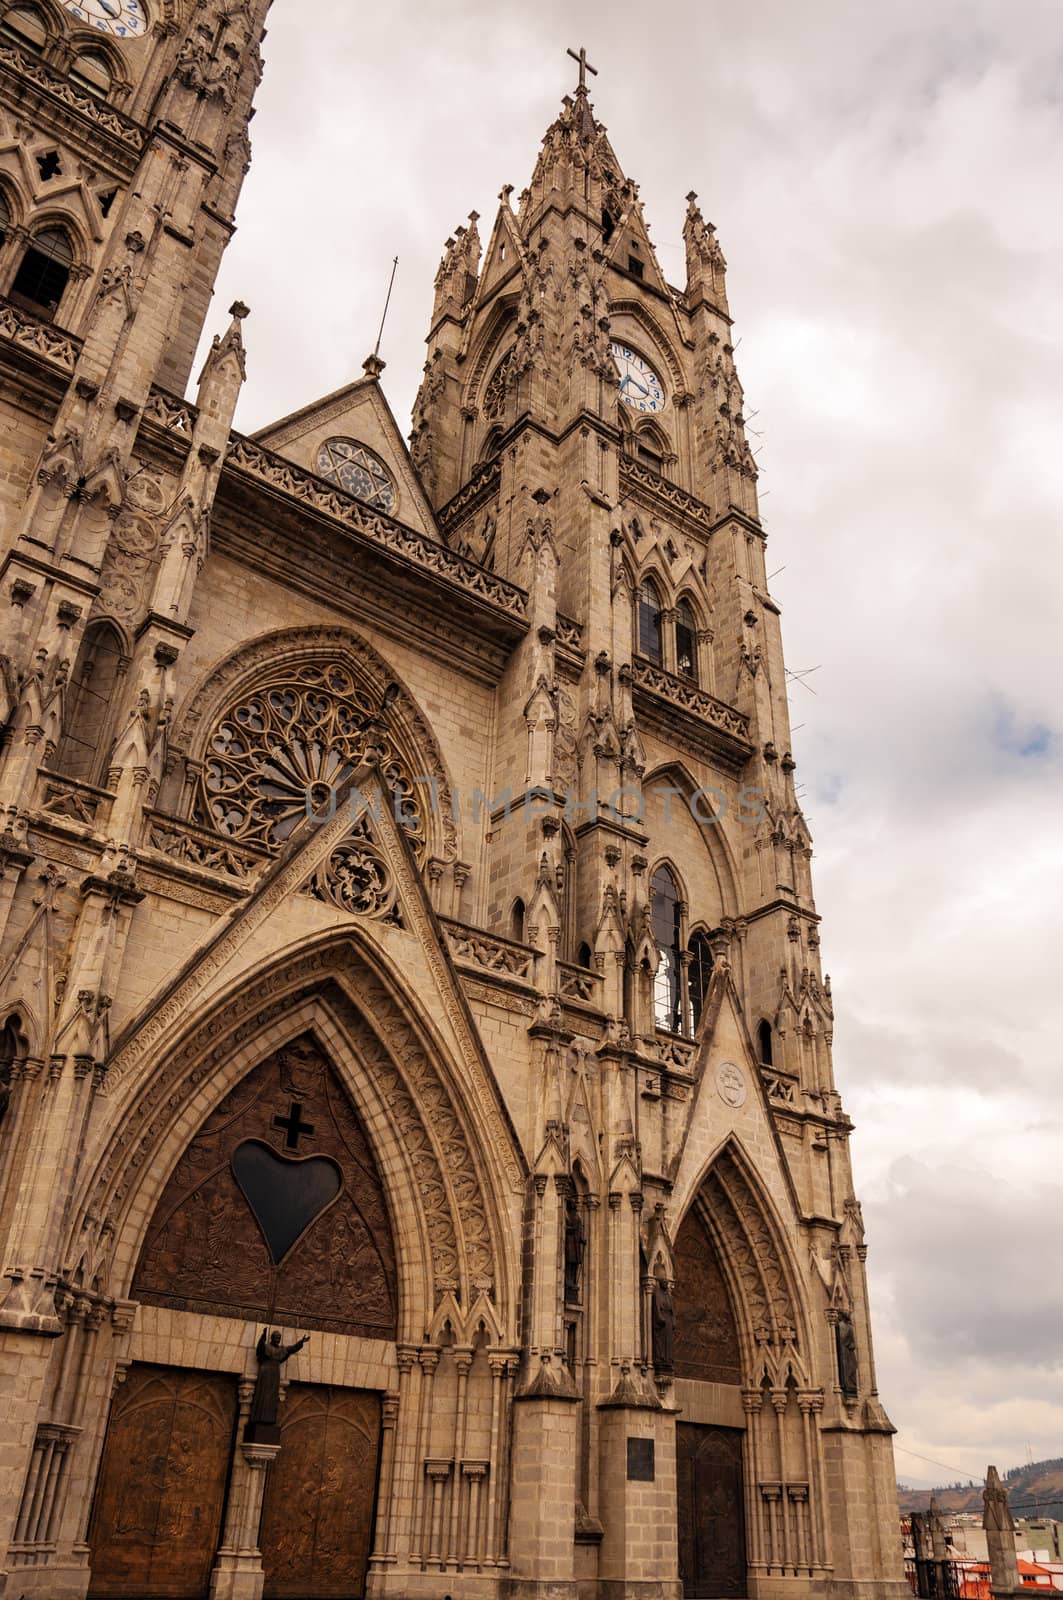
[710, 1512]
[157, 1516]
[317, 1516]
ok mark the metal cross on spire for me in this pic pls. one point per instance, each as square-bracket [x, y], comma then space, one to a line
[584, 68]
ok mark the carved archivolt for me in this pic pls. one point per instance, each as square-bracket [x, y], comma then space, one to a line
[767, 1301]
[299, 709]
[445, 1182]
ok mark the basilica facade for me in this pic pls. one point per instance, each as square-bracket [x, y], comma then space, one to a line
[421, 1167]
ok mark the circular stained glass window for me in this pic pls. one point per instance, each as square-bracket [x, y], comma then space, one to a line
[351, 466]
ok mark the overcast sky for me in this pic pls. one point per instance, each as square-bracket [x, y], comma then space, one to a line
[885, 181]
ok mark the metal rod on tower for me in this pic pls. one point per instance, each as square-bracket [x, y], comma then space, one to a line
[387, 302]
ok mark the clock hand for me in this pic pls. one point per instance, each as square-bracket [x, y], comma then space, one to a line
[112, 11]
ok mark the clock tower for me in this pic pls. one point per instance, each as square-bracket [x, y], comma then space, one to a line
[580, 430]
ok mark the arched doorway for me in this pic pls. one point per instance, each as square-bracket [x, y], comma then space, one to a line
[275, 1216]
[710, 1485]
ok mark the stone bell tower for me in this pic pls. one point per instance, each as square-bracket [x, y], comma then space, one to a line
[580, 430]
[131, 147]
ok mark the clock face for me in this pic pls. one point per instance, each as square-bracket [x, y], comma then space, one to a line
[640, 387]
[125, 19]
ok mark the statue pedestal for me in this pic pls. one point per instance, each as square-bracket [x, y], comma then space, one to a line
[262, 1433]
[238, 1573]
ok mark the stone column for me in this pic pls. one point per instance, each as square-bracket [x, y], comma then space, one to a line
[437, 1472]
[463, 1355]
[389, 1417]
[474, 1473]
[428, 1356]
[238, 1572]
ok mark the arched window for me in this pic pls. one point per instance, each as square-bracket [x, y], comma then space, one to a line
[5, 216]
[357, 470]
[492, 444]
[86, 727]
[667, 986]
[686, 642]
[699, 972]
[764, 1044]
[44, 272]
[516, 921]
[93, 71]
[584, 957]
[494, 403]
[25, 25]
[650, 621]
[12, 1049]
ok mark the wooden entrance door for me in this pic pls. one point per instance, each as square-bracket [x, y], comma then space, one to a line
[711, 1516]
[157, 1517]
[317, 1516]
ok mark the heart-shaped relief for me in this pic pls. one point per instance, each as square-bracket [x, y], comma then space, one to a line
[285, 1193]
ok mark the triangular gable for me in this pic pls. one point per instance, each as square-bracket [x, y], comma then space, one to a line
[357, 411]
[730, 1102]
[504, 257]
[300, 900]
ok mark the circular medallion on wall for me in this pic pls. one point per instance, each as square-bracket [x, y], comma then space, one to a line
[731, 1084]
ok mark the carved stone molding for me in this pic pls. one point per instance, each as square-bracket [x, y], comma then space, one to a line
[417, 548]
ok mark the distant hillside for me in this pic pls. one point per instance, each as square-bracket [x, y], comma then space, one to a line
[1034, 1491]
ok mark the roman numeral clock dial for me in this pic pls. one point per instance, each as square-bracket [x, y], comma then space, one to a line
[640, 387]
[123, 19]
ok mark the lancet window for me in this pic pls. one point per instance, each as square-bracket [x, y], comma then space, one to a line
[87, 725]
[44, 272]
[649, 622]
[670, 638]
[684, 960]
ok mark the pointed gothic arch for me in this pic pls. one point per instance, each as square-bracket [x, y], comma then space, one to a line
[447, 1196]
[675, 778]
[757, 1263]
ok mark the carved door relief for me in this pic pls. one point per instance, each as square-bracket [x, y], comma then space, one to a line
[706, 1335]
[276, 1212]
[317, 1517]
[161, 1490]
[710, 1512]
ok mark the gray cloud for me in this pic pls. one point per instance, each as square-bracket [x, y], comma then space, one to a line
[885, 185]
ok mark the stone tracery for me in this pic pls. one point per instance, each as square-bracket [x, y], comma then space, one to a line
[279, 753]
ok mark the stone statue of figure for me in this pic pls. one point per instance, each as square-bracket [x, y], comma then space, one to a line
[575, 1249]
[848, 1366]
[266, 1399]
[662, 1324]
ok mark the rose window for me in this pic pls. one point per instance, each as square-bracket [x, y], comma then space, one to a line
[350, 465]
[280, 752]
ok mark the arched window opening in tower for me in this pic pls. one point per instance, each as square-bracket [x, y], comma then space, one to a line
[84, 745]
[352, 467]
[686, 642]
[667, 984]
[650, 622]
[516, 921]
[764, 1043]
[26, 26]
[93, 72]
[699, 975]
[43, 273]
[12, 1049]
